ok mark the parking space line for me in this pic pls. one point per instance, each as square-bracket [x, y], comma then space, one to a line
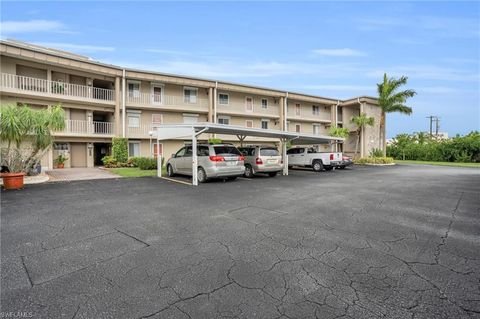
[177, 181]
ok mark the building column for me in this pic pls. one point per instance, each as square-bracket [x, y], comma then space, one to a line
[333, 115]
[118, 97]
[49, 78]
[362, 135]
[210, 105]
[90, 162]
[281, 102]
[90, 129]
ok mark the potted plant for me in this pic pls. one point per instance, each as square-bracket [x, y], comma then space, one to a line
[60, 161]
[27, 135]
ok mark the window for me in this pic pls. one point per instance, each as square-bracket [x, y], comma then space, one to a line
[133, 149]
[247, 151]
[316, 129]
[226, 150]
[249, 104]
[223, 120]
[60, 146]
[133, 119]
[203, 151]
[223, 99]
[181, 152]
[315, 110]
[190, 118]
[133, 89]
[269, 152]
[157, 93]
[249, 123]
[298, 128]
[265, 124]
[188, 151]
[297, 109]
[264, 103]
[189, 95]
[157, 118]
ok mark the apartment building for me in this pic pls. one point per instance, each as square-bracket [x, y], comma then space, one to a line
[102, 101]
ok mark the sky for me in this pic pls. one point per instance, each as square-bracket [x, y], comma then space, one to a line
[332, 49]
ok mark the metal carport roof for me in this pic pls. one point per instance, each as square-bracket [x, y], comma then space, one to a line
[193, 130]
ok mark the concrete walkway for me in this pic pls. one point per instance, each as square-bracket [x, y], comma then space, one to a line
[77, 174]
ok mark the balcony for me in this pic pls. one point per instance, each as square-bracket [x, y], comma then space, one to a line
[53, 90]
[82, 128]
[142, 131]
[167, 102]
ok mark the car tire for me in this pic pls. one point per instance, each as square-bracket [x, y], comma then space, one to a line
[342, 167]
[201, 175]
[290, 166]
[328, 168]
[248, 171]
[170, 171]
[272, 174]
[317, 166]
[232, 178]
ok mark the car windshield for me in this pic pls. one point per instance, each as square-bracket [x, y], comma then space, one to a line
[226, 150]
[269, 152]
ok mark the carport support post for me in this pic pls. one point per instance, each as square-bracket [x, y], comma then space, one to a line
[159, 159]
[194, 159]
[284, 156]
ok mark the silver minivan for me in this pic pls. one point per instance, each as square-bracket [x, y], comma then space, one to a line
[214, 161]
[261, 159]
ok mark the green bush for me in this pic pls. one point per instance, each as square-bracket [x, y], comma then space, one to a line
[146, 163]
[120, 149]
[214, 141]
[374, 160]
[458, 149]
[109, 161]
[376, 152]
[133, 161]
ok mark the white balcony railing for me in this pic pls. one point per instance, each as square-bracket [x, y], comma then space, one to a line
[164, 100]
[143, 130]
[87, 128]
[35, 85]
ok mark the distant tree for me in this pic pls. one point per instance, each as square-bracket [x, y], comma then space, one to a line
[391, 100]
[360, 122]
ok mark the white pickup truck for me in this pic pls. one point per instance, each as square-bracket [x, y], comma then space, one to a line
[309, 157]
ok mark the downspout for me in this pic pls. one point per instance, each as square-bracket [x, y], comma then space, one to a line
[123, 103]
[336, 122]
[362, 131]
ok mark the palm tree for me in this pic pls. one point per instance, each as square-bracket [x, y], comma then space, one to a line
[391, 100]
[338, 132]
[23, 124]
[360, 122]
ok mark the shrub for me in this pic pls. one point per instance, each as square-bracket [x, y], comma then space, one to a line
[374, 160]
[120, 149]
[214, 140]
[146, 163]
[376, 152]
[133, 161]
[109, 161]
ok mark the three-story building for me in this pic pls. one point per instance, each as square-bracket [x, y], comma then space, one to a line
[102, 101]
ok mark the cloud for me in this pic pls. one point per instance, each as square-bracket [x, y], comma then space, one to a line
[32, 26]
[168, 52]
[85, 48]
[345, 52]
[430, 72]
[335, 87]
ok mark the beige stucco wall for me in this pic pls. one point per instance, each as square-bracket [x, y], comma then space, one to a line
[307, 113]
[237, 104]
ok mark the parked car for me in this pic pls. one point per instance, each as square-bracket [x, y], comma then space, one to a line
[261, 160]
[346, 161]
[309, 157]
[214, 161]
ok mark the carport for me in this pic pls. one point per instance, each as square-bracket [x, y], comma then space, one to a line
[194, 130]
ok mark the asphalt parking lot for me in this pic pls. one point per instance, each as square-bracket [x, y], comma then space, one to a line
[366, 242]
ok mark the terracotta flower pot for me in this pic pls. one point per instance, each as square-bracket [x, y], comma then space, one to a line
[60, 165]
[12, 180]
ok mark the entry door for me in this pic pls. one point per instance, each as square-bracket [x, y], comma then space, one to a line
[249, 104]
[157, 94]
[78, 155]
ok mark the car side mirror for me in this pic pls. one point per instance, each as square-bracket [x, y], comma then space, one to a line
[174, 155]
